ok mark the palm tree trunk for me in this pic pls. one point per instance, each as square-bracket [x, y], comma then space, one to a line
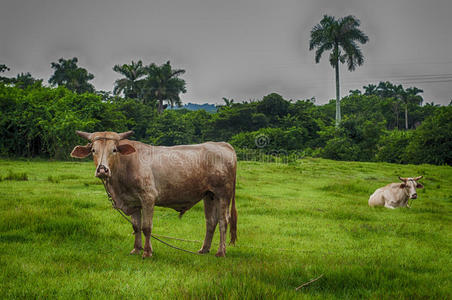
[406, 116]
[338, 101]
[397, 116]
[160, 107]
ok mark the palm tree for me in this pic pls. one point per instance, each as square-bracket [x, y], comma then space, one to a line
[163, 84]
[399, 96]
[370, 89]
[411, 96]
[130, 85]
[228, 102]
[341, 37]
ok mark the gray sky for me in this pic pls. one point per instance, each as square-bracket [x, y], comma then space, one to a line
[235, 49]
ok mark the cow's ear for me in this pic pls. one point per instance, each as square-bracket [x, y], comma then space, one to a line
[419, 185]
[126, 149]
[402, 185]
[81, 151]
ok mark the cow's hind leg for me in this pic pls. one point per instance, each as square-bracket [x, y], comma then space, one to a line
[136, 224]
[210, 211]
[222, 210]
[148, 213]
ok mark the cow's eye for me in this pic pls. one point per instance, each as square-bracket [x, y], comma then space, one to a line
[92, 150]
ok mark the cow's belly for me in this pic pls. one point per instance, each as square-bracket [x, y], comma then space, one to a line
[180, 201]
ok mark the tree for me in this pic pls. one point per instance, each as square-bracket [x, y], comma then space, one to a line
[131, 84]
[273, 106]
[370, 89]
[163, 84]
[392, 146]
[4, 68]
[25, 80]
[355, 92]
[432, 140]
[228, 102]
[400, 95]
[411, 97]
[393, 95]
[74, 78]
[341, 37]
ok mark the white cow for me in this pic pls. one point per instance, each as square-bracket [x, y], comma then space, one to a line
[396, 194]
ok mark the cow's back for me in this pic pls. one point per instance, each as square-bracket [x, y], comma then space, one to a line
[377, 198]
[183, 175]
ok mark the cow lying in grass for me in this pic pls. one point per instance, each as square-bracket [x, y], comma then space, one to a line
[396, 194]
[140, 176]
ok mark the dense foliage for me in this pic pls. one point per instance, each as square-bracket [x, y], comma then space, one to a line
[40, 121]
[36, 120]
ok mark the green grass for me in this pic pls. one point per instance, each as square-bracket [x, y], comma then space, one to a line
[59, 237]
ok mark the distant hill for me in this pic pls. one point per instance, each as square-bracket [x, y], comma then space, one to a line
[193, 106]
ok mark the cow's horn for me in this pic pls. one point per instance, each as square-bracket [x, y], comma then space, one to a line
[403, 179]
[125, 135]
[417, 178]
[85, 135]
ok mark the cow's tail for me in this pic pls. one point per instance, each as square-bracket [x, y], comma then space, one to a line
[233, 217]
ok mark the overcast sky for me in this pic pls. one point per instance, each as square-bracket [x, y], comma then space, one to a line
[229, 48]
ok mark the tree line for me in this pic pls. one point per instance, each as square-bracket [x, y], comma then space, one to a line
[365, 125]
[38, 120]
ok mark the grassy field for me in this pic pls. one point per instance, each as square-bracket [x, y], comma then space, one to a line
[59, 236]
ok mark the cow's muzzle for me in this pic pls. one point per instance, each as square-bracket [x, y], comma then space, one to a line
[414, 196]
[102, 171]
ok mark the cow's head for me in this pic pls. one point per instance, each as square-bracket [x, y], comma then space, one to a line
[106, 150]
[410, 185]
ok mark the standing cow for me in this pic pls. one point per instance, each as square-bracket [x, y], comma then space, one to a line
[396, 194]
[140, 176]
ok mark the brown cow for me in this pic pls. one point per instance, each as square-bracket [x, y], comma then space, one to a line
[396, 194]
[140, 176]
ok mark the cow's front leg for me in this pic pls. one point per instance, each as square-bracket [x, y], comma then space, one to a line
[387, 205]
[148, 213]
[136, 224]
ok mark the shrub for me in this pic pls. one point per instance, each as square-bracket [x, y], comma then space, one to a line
[432, 140]
[273, 105]
[341, 148]
[392, 146]
[271, 140]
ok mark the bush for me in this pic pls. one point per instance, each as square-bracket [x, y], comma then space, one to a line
[392, 146]
[432, 140]
[355, 139]
[271, 139]
[42, 121]
[273, 105]
[341, 148]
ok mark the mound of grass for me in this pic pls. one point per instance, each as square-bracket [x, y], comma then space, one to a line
[53, 179]
[20, 176]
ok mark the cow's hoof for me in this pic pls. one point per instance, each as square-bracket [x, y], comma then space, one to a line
[146, 254]
[203, 251]
[135, 251]
[220, 254]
